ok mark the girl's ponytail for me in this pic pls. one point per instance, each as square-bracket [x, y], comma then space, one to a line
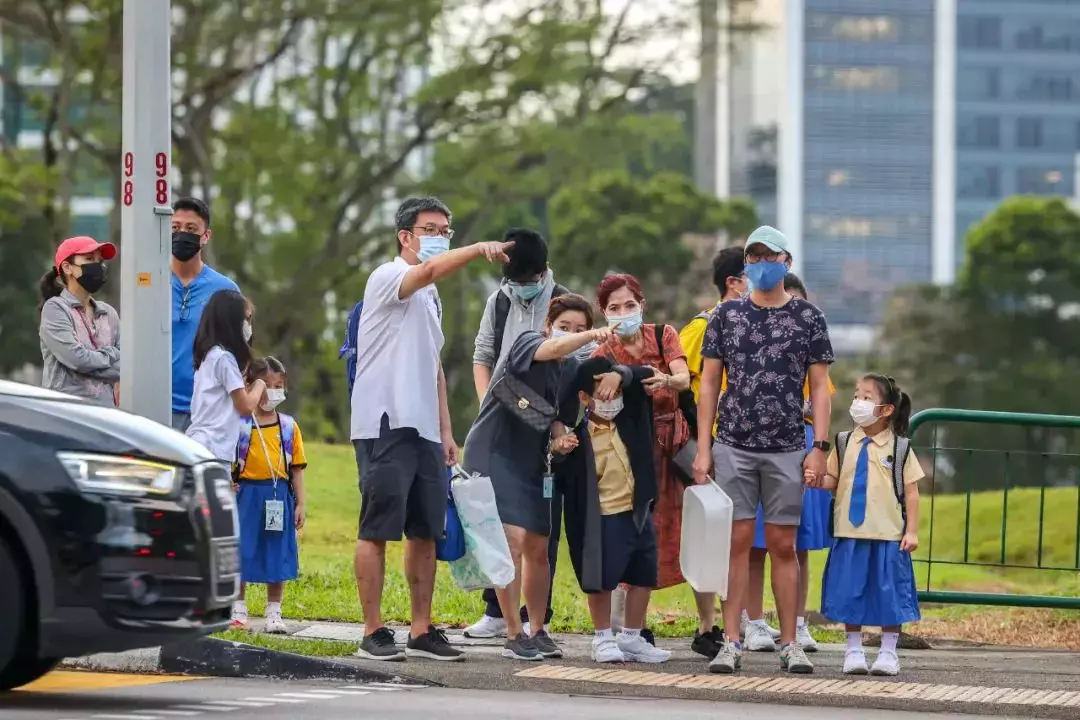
[901, 418]
[50, 286]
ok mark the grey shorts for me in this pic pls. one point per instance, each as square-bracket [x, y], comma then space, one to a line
[403, 486]
[181, 421]
[775, 480]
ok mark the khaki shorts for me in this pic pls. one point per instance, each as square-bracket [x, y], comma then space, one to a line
[775, 480]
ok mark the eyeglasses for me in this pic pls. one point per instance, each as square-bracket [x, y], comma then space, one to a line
[184, 305]
[752, 258]
[431, 230]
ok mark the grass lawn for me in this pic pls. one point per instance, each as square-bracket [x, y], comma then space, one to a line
[326, 589]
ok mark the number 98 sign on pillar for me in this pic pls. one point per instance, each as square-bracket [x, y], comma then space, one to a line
[161, 179]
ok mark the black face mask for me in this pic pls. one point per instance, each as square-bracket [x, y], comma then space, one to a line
[185, 245]
[93, 277]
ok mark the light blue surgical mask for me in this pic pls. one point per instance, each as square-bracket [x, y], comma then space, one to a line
[766, 274]
[526, 291]
[432, 245]
[628, 324]
[582, 353]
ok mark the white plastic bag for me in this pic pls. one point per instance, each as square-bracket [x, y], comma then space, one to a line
[467, 573]
[485, 539]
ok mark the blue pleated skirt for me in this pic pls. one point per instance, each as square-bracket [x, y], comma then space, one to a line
[266, 556]
[815, 528]
[869, 582]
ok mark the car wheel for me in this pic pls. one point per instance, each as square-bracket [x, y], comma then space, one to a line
[19, 663]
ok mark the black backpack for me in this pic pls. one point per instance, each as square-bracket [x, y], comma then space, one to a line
[686, 398]
[502, 311]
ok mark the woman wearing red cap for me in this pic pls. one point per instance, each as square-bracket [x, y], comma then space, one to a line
[80, 336]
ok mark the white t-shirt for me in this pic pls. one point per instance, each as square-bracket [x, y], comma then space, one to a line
[215, 424]
[397, 357]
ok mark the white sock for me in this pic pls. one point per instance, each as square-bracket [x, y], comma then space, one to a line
[630, 633]
[273, 608]
[854, 641]
[604, 634]
[889, 640]
[800, 622]
[240, 606]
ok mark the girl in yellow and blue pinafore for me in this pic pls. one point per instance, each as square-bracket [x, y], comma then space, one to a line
[869, 579]
[270, 496]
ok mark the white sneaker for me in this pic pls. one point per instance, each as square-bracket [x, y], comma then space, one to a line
[526, 628]
[758, 637]
[486, 627]
[803, 637]
[239, 616]
[855, 663]
[636, 649]
[887, 663]
[275, 625]
[606, 650]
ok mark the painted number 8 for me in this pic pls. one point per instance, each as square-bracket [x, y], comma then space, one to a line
[161, 166]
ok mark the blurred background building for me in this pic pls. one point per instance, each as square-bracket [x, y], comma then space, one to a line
[877, 132]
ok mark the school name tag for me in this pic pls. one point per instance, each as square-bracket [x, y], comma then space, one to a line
[275, 515]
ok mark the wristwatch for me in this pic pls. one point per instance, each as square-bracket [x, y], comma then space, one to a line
[822, 445]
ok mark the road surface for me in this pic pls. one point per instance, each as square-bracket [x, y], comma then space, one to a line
[95, 696]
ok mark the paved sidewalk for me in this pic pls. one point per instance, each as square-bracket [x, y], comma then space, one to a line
[952, 678]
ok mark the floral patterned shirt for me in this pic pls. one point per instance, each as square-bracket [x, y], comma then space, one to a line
[766, 354]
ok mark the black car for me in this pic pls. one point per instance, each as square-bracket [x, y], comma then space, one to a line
[115, 533]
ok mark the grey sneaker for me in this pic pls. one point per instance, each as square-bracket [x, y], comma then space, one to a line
[728, 660]
[546, 646]
[793, 659]
[380, 645]
[521, 648]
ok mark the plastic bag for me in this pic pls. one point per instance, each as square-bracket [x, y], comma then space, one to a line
[467, 573]
[451, 546]
[485, 539]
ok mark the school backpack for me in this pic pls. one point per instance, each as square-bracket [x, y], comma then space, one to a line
[901, 449]
[348, 348]
[288, 436]
[502, 311]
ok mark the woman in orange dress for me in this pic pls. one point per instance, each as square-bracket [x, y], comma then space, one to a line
[623, 303]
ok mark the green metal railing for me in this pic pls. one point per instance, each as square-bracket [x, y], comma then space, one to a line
[939, 416]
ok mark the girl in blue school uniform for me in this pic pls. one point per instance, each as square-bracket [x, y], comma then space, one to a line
[869, 579]
[814, 534]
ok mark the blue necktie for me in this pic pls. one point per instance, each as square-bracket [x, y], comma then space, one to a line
[857, 508]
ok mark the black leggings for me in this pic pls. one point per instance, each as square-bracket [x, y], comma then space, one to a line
[493, 609]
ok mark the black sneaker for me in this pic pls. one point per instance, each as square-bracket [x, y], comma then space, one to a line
[521, 648]
[546, 646]
[433, 645]
[380, 645]
[647, 636]
[708, 643]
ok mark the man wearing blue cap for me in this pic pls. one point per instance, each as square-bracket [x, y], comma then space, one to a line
[767, 343]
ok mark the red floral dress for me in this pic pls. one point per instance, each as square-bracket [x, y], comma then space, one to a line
[672, 432]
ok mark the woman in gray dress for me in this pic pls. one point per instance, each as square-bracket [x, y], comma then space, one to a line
[514, 455]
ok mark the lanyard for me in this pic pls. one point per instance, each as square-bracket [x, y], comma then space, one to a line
[89, 331]
[266, 451]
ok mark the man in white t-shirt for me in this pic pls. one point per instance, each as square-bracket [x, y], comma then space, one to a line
[401, 423]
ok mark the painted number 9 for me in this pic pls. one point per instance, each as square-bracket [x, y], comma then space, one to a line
[161, 167]
[128, 188]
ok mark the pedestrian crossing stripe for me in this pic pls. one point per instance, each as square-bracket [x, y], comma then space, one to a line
[812, 686]
[70, 681]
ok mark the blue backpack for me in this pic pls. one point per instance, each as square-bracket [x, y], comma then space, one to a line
[348, 348]
[288, 436]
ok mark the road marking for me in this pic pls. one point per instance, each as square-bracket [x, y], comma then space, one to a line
[305, 696]
[127, 717]
[339, 693]
[215, 708]
[177, 713]
[827, 686]
[62, 681]
[398, 686]
[272, 699]
[239, 703]
[368, 687]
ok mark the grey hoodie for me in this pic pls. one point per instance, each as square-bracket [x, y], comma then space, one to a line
[523, 316]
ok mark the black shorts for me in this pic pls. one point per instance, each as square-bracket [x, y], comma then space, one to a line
[403, 485]
[628, 556]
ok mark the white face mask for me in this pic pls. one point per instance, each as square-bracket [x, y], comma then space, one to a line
[274, 397]
[609, 409]
[247, 331]
[862, 412]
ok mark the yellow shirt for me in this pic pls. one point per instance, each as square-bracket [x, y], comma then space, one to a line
[614, 478]
[257, 467]
[883, 519]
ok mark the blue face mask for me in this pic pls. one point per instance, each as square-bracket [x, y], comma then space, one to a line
[584, 352]
[766, 275]
[628, 324]
[526, 291]
[432, 245]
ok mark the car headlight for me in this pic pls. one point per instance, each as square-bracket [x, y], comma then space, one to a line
[115, 475]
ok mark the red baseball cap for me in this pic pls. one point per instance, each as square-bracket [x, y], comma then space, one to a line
[82, 245]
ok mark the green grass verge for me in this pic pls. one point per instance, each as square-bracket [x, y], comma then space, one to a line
[318, 648]
[326, 589]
